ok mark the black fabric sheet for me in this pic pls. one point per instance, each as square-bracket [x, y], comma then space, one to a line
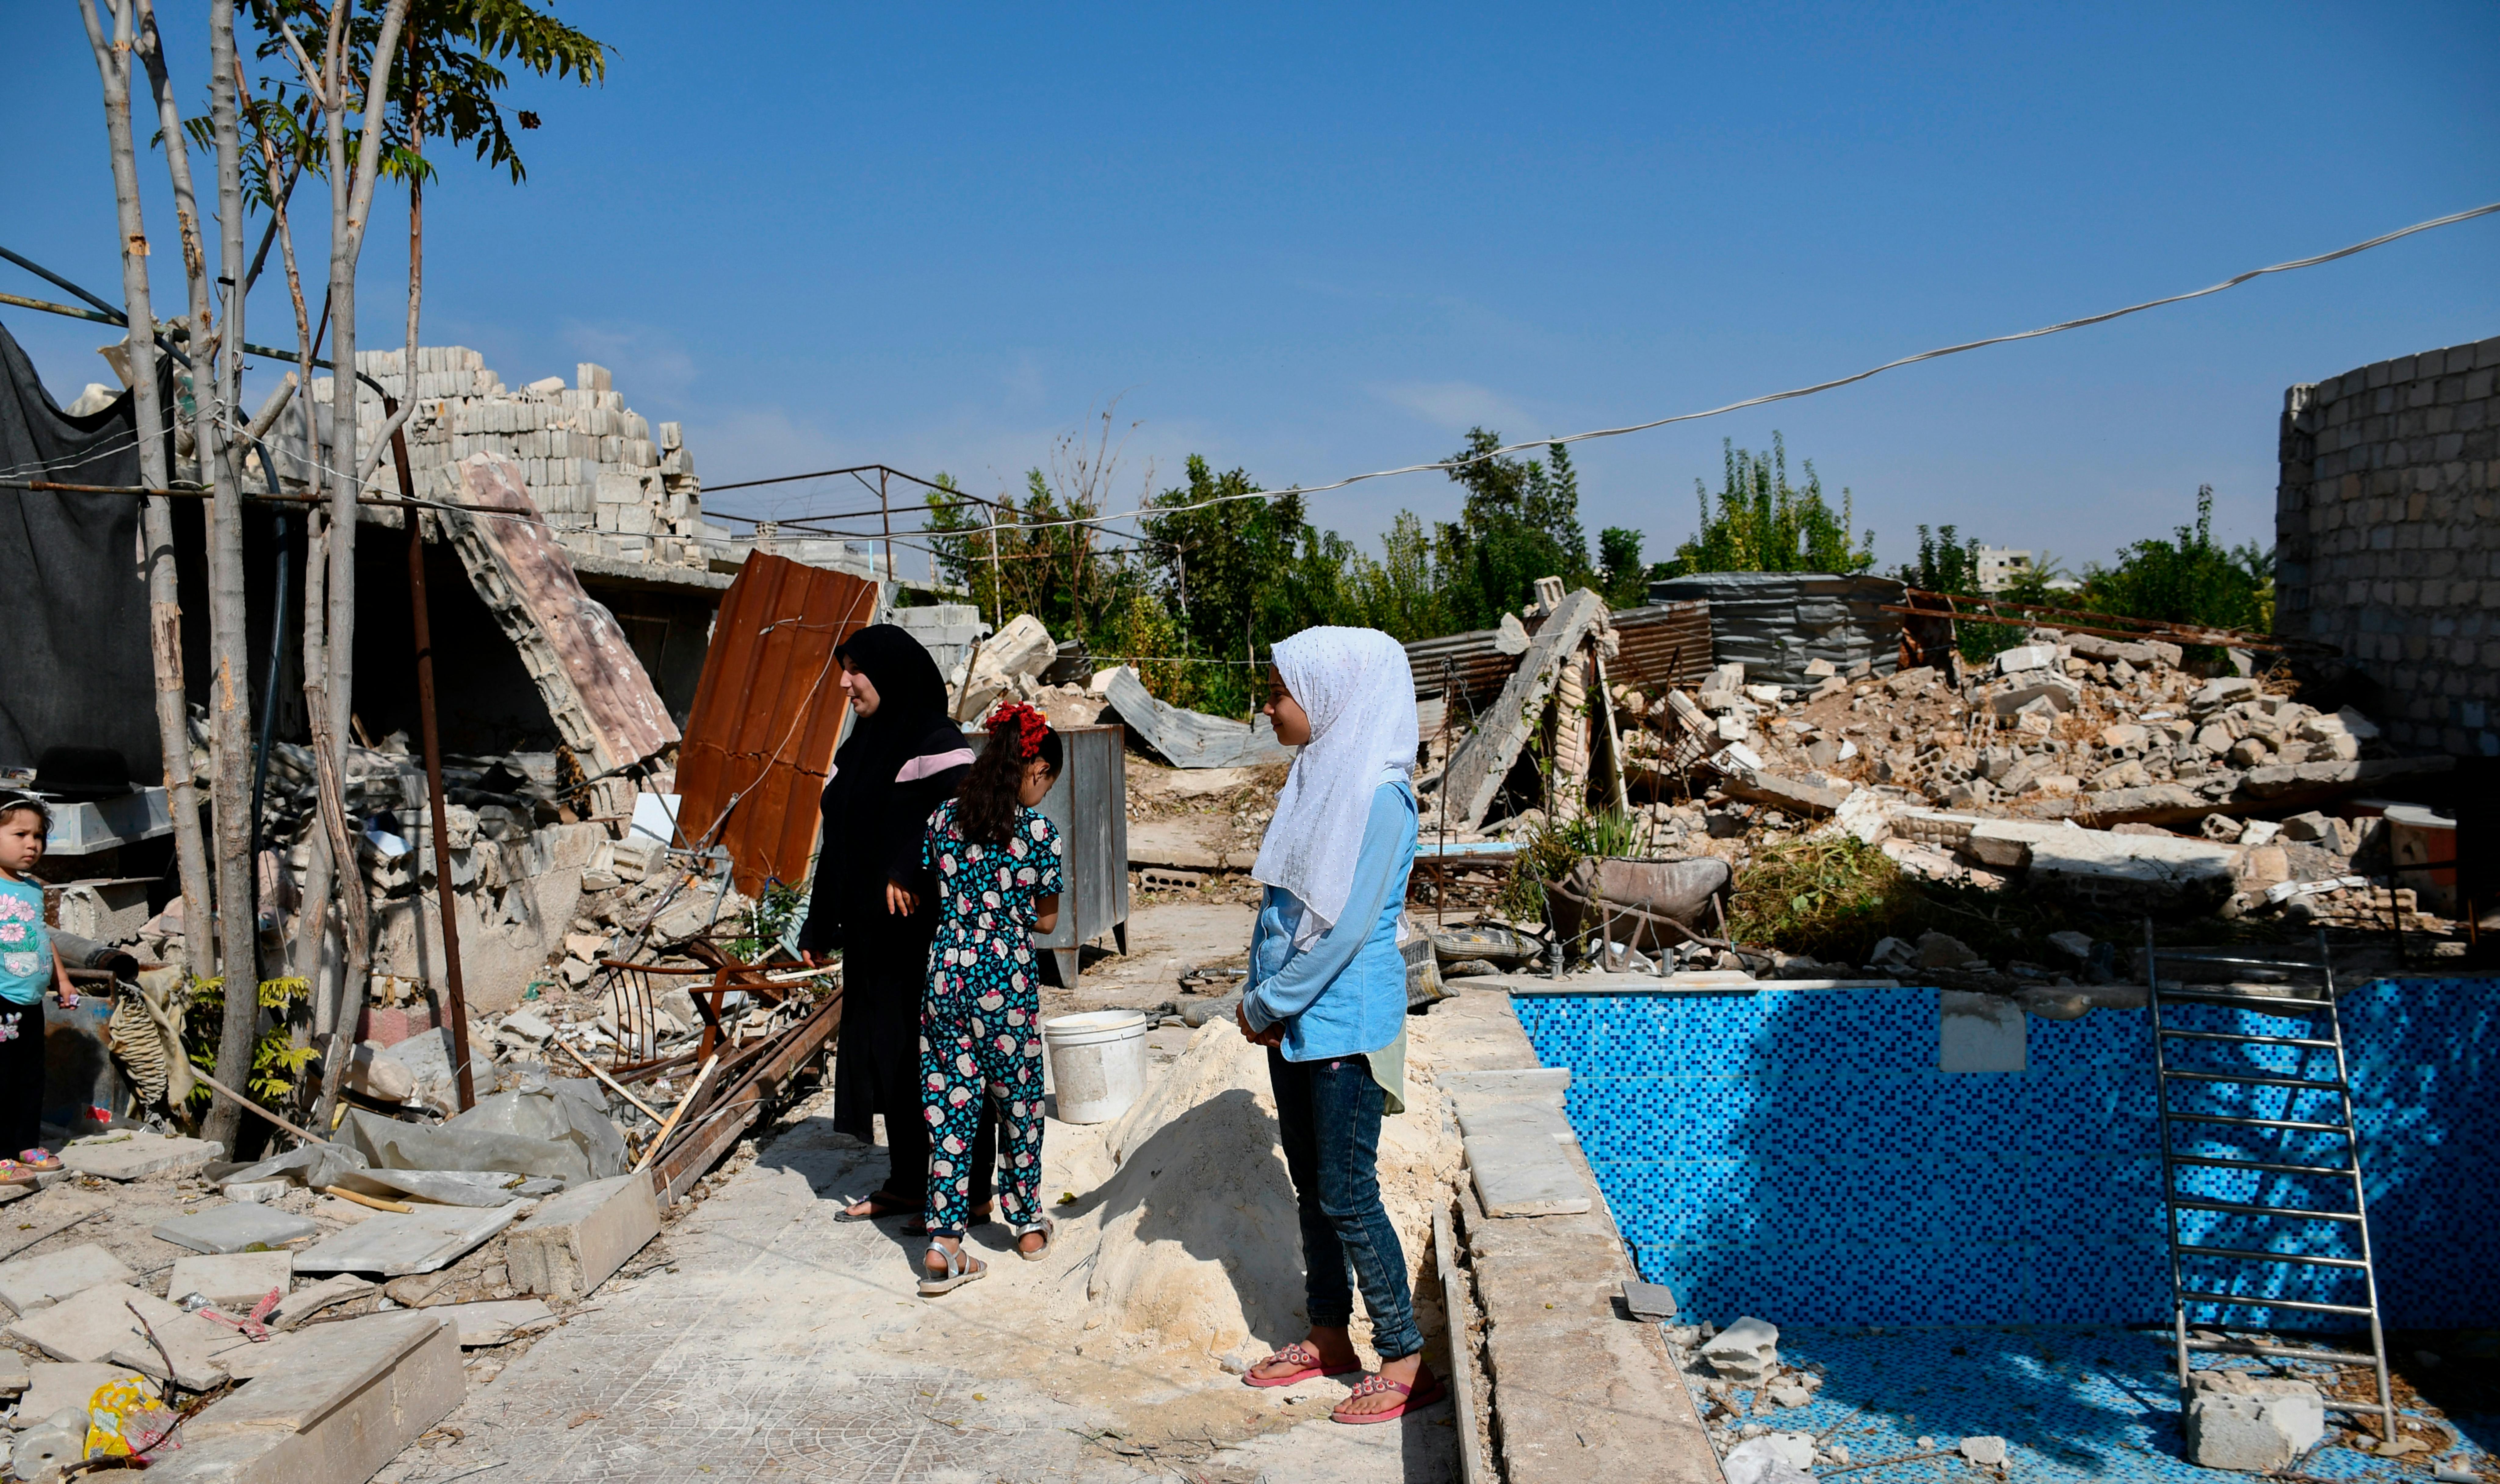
[74, 665]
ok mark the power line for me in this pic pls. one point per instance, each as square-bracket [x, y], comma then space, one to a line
[1447, 465]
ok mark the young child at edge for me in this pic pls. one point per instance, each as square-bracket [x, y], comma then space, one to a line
[28, 965]
[998, 867]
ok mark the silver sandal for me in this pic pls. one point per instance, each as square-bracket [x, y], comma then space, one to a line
[1048, 1230]
[960, 1268]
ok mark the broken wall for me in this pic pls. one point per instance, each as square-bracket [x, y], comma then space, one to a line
[2386, 534]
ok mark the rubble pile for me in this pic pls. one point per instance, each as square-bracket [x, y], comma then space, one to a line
[2057, 766]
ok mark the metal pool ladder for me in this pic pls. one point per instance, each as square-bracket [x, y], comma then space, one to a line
[2309, 996]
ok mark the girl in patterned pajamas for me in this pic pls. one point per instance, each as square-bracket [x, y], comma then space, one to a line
[998, 868]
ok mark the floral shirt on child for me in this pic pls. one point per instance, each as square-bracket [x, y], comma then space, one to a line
[983, 949]
[25, 946]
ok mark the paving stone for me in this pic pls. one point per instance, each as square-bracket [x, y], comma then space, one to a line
[32, 1282]
[342, 1404]
[313, 1298]
[137, 1154]
[1649, 1301]
[1511, 1144]
[238, 1226]
[493, 1321]
[575, 1241]
[52, 1385]
[13, 1374]
[103, 1323]
[421, 1240]
[232, 1281]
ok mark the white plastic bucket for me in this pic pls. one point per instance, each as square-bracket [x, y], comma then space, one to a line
[1098, 1063]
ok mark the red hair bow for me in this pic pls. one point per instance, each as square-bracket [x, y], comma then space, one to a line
[1025, 726]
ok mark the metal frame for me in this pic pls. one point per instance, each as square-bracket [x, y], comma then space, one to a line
[2327, 1034]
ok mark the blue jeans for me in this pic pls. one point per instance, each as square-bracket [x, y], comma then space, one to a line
[1328, 1116]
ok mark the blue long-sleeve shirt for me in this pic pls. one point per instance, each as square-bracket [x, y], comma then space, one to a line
[1345, 994]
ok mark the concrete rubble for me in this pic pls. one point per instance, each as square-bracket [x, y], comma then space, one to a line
[2252, 1424]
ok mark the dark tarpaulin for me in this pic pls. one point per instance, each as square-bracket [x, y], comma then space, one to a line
[74, 662]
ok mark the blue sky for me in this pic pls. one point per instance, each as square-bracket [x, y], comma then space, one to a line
[1310, 241]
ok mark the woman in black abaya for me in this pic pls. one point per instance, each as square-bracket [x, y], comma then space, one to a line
[873, 901]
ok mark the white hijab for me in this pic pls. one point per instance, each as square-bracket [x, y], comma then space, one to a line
[1356, 687]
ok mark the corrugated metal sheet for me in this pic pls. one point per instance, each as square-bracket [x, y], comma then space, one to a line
[1664, 644]
[767, 715]
[1772, 623]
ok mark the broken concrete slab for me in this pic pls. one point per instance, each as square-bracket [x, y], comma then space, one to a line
[495, 1321]
[420, 1240]
[238, 1226]
[54, 1386]
[1777, 790]
[1483, 760]
[104, 1323]
[600, 699]
[1746, 1350]
[313, 1298]
[1191, 739]
[233, 1282]
[343, 1404]
[31, 1283]
[2159, 873]
[135, 1154]
[575, 1241]
[2255, 1434]
[2005, 844]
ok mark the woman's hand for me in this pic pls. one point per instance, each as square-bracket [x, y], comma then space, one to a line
[1274, 1034]
[900, 902]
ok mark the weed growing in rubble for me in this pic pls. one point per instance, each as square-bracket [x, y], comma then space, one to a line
[1552, 849]
[1832, 899]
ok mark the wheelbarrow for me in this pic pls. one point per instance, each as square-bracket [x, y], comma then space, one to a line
[1652, 904]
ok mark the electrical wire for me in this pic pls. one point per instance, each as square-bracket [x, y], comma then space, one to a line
[1446, 466]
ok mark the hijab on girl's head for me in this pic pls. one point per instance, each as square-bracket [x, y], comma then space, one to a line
[1356, 689]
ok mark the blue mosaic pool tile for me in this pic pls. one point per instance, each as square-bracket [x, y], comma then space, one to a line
[1797, 1153]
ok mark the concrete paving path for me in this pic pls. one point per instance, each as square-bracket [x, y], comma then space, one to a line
[780, 1344]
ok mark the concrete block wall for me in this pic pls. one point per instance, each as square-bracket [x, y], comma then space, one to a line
[2386, 544]
[601, 474]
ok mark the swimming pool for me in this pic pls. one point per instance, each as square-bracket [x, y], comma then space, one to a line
[1801, 1154]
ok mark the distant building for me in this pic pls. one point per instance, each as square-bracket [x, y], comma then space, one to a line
[1999, 566]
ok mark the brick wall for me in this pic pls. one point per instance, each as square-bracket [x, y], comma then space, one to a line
[2387, 545]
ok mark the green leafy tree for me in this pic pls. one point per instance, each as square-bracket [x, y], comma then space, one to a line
[2188, 579]
[1622, 576]
[1522, 522]
[1945, 565]
[1765, 524]
[1400, 594]
[1043, 557]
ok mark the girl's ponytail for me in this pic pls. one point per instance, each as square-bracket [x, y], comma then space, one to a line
[986, 804]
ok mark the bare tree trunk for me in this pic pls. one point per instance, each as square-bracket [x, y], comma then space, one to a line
[216, 357]
[156, 518]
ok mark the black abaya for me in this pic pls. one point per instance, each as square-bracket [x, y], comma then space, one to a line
[898, 767]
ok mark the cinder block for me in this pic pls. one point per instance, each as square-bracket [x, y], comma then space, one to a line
[577, 1240]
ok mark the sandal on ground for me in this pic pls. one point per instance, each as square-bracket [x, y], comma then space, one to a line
[44, 1160]
[13, 1173]
[960, 1268]
[881, 1204]
[1306, 1364]
[1046, 1229]
[918, 1226]
[1425, 1391]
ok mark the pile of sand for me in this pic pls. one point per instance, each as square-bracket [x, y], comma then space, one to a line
[1188, 1216]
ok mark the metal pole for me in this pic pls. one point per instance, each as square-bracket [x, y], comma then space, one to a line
[885, 514]
[423, 629]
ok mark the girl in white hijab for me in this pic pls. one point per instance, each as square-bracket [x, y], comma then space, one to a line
[1327, 996]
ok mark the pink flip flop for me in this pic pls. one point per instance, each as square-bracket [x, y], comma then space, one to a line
[1307, 1361]
[44, 1160]
[1425, 1391]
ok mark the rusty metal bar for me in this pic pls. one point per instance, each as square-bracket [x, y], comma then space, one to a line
[444, 898]
[720, 1125]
